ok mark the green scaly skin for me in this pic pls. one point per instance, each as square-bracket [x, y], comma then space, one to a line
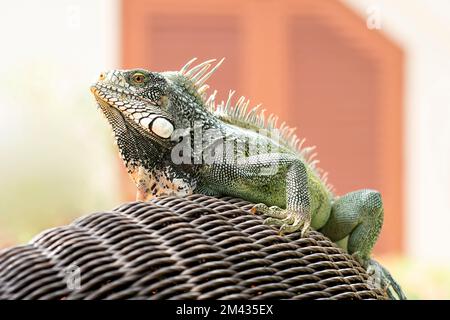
[148, 110]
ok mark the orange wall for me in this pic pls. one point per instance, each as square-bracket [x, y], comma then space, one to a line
[314, 63]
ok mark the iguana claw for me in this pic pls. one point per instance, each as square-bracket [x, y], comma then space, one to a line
[288, 221]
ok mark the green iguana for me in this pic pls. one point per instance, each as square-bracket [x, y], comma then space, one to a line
[174, 139]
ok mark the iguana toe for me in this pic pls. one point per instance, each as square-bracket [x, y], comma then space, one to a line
[273, 211]
[288, 221]
[297, 221]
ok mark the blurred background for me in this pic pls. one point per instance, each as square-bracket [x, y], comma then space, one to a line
[368, 82]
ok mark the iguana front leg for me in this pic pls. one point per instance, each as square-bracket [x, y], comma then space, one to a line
[297, 214]
[276, 180]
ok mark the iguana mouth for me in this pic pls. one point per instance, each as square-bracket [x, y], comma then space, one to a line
[112, 114]
[105, 106]
[102, 101]
[99, 99]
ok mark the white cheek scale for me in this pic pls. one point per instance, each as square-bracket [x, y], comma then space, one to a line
[162, 127]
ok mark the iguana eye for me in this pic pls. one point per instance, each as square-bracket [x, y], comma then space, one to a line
[138, 78]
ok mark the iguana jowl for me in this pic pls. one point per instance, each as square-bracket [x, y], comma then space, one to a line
[156, 117]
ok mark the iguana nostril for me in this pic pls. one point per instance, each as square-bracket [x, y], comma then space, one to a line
[102, 76]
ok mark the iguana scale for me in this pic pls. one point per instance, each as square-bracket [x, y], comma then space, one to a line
[174, 139]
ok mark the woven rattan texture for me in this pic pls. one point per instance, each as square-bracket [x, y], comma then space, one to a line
[197, 247]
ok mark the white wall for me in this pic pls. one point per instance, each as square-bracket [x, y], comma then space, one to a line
[422, 28]
[55, 147]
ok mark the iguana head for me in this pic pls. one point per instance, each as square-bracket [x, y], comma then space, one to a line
[137, 98]
[133, 103]
[144, 107]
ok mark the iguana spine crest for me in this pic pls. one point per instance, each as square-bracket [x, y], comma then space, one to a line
[254, 118]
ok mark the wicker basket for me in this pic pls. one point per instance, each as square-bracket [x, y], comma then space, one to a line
[196, 247]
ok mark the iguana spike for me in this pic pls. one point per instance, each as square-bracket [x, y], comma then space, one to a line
[238, 106]
[308, 150]
[261, 118]
[307, 153]
[206, 76]
[211, 98]
[324, 178]
[289, 135]
[195, 77]
[270, 121]
[192, 71]
[293, 141]
[251, 116]
[243, 111]
[213, 101]
[330, 188]
[274, 121]
[283, 129]
[203, 88]
[295, 144]
[212, 106]
[239, 101]
[219, 108]
[290, 132]
[311, 157]
[313, 164]
[187, 65]
[227, 104]
[302, 142]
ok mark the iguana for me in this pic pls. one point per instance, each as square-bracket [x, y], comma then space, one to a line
[175, 139]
